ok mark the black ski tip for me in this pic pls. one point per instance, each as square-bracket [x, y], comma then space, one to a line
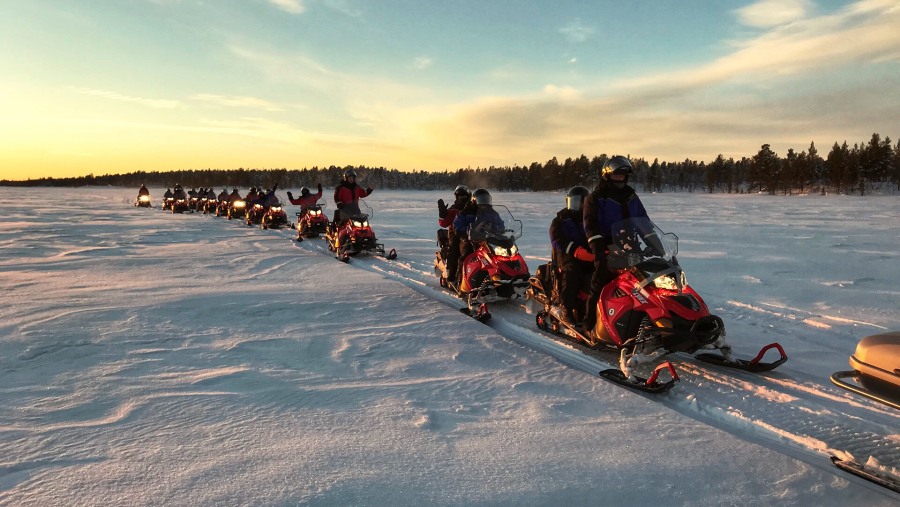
[391, 255]
[640, 384]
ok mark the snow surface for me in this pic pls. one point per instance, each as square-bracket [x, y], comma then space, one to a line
[148, 358]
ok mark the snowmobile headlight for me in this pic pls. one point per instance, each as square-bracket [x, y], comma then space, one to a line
[180, 201]
[314, 212]
[275, 208]
[506, 252]
[144, 198]
[666, 282]
[258, 206]
[239, 204]
[357, 223]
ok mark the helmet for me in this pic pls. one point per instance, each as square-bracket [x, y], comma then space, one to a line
[234, 190]
[616, 165]
[575, 196]
[462, 191]
[349, 173]
[481, 196]
[304, 191]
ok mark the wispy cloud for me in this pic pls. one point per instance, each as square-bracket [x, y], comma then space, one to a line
[577, 31]
[769, 13]
[237, 101]
[291, 6]
[422, 62]
[154, 103]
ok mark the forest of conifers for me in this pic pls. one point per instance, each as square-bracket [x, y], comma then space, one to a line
[861, 169]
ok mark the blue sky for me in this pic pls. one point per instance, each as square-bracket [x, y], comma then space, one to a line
[106, 86]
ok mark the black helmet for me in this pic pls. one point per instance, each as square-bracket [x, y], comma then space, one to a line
[462, 191]
[616, 165]
[349, 173]
[234, 190]
[481, 196]
[575, 197]
[304, 191]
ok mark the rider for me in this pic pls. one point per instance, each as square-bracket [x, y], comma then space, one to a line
[611, 201]
[446, 216]
[233, 196]
[477, 215]
[223, 195]
[143, 190]
[347, 195]
[306, 198]
[573, 260]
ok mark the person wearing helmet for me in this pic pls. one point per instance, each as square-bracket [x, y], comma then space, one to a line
[233, 196]
[347, 195]
[306, 198]
[571, 256]
[473, 221]
[143, 190]
[446, 216]
[611, 201]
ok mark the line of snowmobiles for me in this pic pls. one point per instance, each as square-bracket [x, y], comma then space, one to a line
[646, 313]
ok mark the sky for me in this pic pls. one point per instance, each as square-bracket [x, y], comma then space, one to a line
[113, 86]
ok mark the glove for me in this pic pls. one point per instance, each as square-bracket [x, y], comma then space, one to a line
[290, 195]
[319, 187]
[582, 254]
[340, 205]
[442, 209]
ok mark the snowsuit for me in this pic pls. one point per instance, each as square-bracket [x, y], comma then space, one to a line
[473, 215]
[572, 260]
[604, 207]
[305, 201]
[168, 194]
[143, 191]
[453, 237]
[347, 195]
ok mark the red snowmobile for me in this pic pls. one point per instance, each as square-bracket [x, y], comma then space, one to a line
[354, 236]
[255, 213]
[876, 369]
[646, 312]
[313, 222]
[237, 209]
[274, 217]
[494, 271]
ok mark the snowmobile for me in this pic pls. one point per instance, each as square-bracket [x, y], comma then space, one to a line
[237, 209]
[168, 203]
[876, 369]
[208, 205]
[180, 206]
[354, 236]
[222, 208]
[143, 201]
[255, 214]
[494, 271]
[647, 312]
[313, 222]
[274, 217]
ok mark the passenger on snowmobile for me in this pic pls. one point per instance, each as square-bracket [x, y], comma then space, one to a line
[451, 243]
[611, 201]
[347, 195]
[571, 259]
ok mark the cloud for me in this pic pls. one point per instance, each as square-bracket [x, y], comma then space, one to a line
[237, 101]
[576, 31]
[769, 13]
[422, 62]
[291, 6]
[154, 103]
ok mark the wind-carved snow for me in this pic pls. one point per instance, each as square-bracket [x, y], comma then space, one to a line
[150, 358]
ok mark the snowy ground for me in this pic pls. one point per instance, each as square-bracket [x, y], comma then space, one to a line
[148, 358]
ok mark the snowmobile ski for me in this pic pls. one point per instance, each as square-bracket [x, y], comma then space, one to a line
[839, 379]
[754, 365]
[651, 385]
[866, 473]
[391, 255]
[479, 313]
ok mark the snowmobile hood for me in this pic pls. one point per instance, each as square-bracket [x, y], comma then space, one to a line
[880, 350]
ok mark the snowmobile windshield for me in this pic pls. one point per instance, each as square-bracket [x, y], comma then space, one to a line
[495, 224]
[639, 239]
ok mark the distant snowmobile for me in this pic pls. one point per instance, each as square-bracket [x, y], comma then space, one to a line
[142, 201]
[876, 369]
[645, 313]
[274, 217]
[312, 223]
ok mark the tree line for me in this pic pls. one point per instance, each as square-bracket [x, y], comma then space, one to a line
[862, 168]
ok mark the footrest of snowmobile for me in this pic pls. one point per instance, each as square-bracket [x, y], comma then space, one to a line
[754, 365]
[650, 385]
[866, 473]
